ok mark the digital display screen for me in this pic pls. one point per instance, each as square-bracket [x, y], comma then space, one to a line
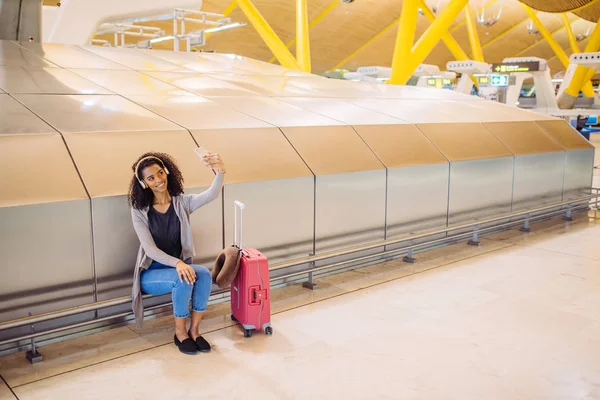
[484, 80]
[516, 67]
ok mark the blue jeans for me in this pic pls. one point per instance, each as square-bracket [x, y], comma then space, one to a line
[161, 279]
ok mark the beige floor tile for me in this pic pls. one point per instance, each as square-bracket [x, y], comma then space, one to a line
[5, 393]
[517, 323]
[70, 355]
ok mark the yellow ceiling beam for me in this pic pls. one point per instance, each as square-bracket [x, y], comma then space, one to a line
[303, 43]
[428, 41]
[268, 35]
[570, 34]
[324, 13]
[473, 35]
[405, 39]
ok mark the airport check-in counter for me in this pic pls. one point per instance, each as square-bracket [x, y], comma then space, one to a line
[481, 170]
[321, 164]
[535, 152]
[45, 222]
[417, 178]
[579, 168]
[350, 185]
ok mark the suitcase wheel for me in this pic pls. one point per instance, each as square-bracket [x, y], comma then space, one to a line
[247, 332]
[268, 330]
[233, 318]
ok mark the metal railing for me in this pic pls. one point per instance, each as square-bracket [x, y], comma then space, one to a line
[523, 217]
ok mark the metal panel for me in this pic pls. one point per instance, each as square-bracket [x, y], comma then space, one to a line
[14, 55]
[538, 179]
[94, 113]
[579, 173]
[227, 63]
[278, 218]
[184, 110]
[109, 173]
[480, 189]
[116, 244]
[465, 141]
[400, 145]
[261, 154]
[343, 111]
[565, 134]
[202, 85]
[275, 112]
[332, 149]
[18, 120]
[265, 85]
[46, 80]
[133, 59]
[417, 198]
[69, 56]
[46, 261]
[350, 209]
[128, 83]
[34, 181]
[413, 111]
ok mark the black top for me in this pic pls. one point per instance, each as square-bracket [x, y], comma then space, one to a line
[166, 230]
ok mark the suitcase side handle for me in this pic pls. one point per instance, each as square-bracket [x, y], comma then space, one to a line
[237, 234]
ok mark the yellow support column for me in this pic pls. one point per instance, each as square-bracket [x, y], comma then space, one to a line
[570, 34]
[473, 35]
[312, 23]
[303, 42]
[449, 41]
[583, 74]
[560, 53]
[280, 51]
[404, 38]
[427, 42]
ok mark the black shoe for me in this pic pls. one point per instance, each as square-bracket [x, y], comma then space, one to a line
[201, 344]
[187, 346]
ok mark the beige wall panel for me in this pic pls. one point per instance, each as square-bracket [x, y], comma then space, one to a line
[130, 83]
[14, 55]
[400, 145]
[15, 119]
[275, 112]
[107, 172]
[67, 56]
[523, 137]
[46, 80]
[94, 113]
[202, 85]
[197, 112]
[254, 154]
[332, 150]
[265, 85]
[340, 110]
[563, 133]
[41, 171]
[464, 142]
[133, 59]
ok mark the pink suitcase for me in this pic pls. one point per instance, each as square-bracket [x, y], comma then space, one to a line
[250, 289]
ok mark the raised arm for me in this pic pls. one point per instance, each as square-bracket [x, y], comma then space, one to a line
[147, 242]
[195, 201]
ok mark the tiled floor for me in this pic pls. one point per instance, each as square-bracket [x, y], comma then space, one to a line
[515, 319]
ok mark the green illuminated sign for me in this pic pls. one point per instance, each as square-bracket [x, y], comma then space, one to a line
[506, 68]
[499, 80]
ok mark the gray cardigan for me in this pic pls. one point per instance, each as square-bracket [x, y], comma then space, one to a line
[184, 205]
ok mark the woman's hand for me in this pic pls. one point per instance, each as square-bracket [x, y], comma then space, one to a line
[213, 160]
[186, 272]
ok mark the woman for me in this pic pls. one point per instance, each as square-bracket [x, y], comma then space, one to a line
[161, 218]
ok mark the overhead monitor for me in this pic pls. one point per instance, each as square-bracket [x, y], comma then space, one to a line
[525, 66]
[484, 80]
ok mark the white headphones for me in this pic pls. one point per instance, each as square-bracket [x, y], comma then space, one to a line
[142, 183]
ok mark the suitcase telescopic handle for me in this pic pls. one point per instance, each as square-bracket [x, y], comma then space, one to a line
[237, 233]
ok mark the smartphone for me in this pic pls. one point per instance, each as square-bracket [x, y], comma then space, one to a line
[201, 152]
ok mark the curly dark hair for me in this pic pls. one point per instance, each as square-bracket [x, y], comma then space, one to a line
[140, 198]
